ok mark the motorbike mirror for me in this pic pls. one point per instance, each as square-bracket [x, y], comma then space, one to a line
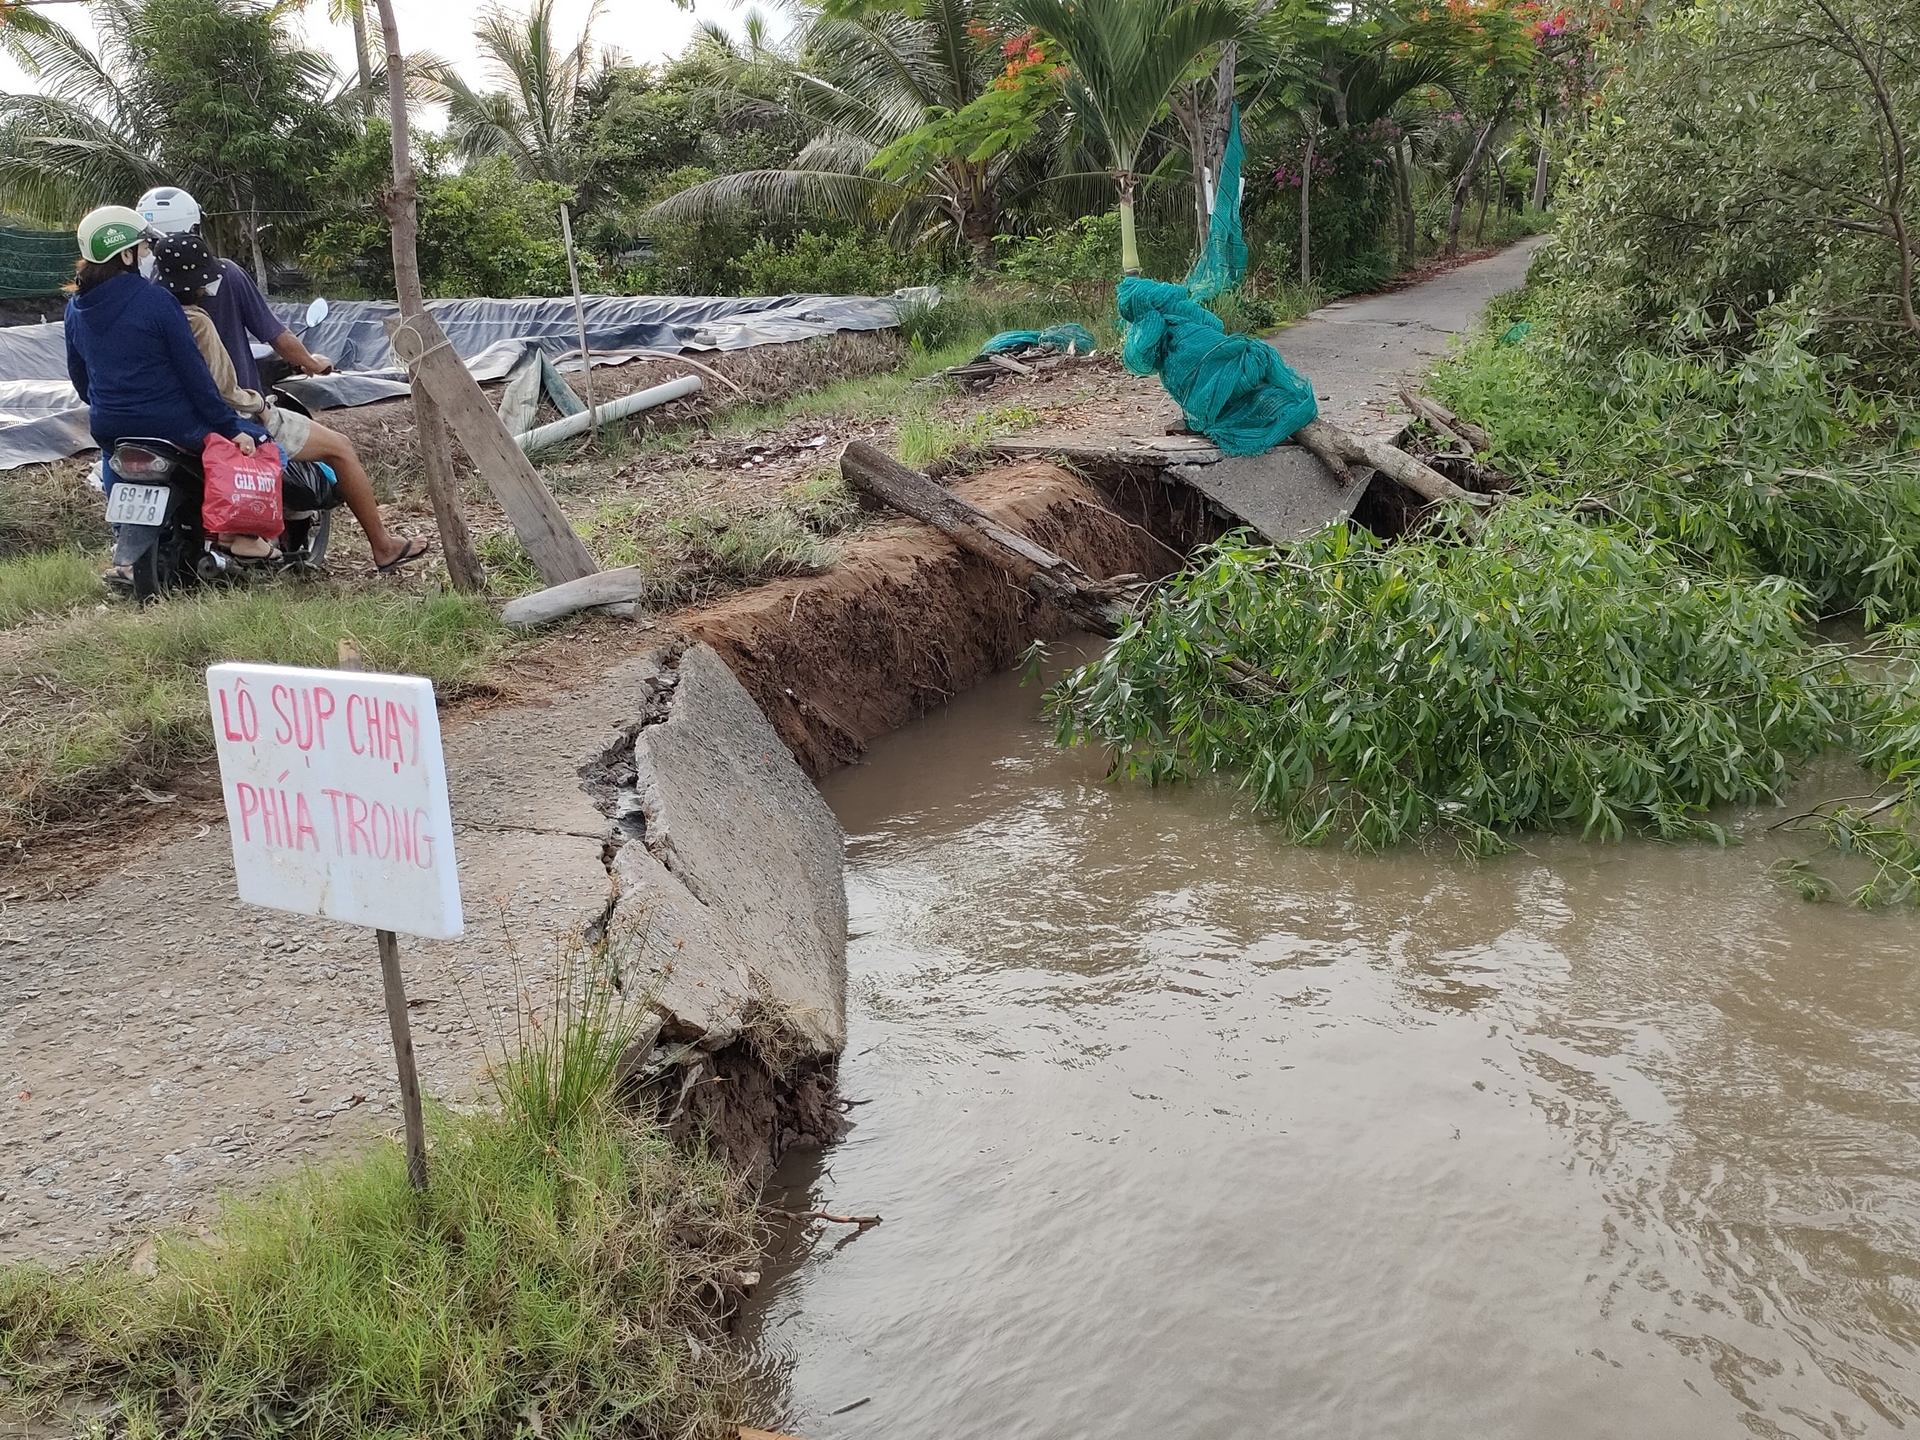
[317, 311]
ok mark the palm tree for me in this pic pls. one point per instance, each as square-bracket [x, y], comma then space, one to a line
[1124, 58]
[532, 119]
[856, 84]
[90, 135]
[212, 95]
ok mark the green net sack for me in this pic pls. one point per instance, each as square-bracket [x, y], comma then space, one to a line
[1223, 263]
[36, 262]
[1233, 389]
[1061, 338]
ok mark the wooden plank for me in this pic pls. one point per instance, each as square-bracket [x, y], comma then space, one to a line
[520, 400]
[557, 552]
[1009, 364]
[1154, 451]
[606, 587]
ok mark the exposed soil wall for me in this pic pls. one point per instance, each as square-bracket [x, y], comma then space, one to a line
[908, 620]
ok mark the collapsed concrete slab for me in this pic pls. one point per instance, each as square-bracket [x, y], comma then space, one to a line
[729, 912]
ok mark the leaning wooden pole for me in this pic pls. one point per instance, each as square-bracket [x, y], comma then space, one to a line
[402, 207]
[1100, 606]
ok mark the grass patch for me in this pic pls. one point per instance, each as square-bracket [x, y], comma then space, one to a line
[556, 1278]
[50, 583]
[927, 441]
[119, 696]
[52, 507]
[692, 546]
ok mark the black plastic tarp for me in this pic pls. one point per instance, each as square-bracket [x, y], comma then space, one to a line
[41, 418]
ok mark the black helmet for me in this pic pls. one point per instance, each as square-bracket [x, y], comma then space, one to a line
[185, 265]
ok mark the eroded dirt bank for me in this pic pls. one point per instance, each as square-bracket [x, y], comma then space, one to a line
[907, 621]
[167, 1042]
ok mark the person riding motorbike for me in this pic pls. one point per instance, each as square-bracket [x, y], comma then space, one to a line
[188, 270]
[131, 356]
[235, 303]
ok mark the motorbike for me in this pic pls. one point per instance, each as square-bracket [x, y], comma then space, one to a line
[159, 487]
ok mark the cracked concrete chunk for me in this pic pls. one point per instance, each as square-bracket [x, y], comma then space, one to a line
[731, 911]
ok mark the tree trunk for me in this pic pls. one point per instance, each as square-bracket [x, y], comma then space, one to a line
[402, 205]
[259, 256]
[1540, 173]
[363, 60]
[1129, 243]
[1403, 196]
[1464, 185]
[1306, 208]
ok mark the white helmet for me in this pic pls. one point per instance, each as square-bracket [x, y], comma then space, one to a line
[169, 210]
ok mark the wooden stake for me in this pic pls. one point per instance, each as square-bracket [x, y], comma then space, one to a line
[539, 522]
[402, 207]
[397, 1020]
[396, 995]
[580, 319]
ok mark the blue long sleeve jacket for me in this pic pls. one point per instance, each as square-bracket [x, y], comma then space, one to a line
[131, 355]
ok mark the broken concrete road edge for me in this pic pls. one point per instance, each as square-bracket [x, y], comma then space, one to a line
[729, 912]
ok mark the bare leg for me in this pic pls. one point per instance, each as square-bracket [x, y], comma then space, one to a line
[333, 448]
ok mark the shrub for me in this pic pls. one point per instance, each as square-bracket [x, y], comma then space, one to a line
[860, 264]
[1065, 260]
[1559, 675]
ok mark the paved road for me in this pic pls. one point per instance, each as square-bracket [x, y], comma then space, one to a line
[1358, 351]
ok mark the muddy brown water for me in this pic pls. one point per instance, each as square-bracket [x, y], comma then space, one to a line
[1180, 1131]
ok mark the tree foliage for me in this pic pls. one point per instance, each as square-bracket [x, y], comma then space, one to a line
[1749, 150]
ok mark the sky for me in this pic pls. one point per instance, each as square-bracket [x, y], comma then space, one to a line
[644, 29]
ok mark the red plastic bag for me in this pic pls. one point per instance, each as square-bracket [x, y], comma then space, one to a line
[243, 491]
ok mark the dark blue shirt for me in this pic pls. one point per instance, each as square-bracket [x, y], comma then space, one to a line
[238, 309]
[131, 355]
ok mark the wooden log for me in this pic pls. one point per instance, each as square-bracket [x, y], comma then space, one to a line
[520, 400]
[1098, 605]
[557, 552]
[1328, 456]
[1443, 419]
[1418, 477]
[607, 587]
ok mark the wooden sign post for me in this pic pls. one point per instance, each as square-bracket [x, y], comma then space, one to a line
[336, 796]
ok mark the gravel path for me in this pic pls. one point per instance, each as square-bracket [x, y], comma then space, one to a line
[161, 1041]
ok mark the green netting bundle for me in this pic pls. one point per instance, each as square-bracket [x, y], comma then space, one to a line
[1062, 338]
[1223, 263]
[1233, 389]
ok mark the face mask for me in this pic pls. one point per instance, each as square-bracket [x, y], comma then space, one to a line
[212, 287]
[147, 266]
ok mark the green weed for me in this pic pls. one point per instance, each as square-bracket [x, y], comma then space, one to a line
[50, 583]
[118, 696]
[557, 1272]
[1559, 675]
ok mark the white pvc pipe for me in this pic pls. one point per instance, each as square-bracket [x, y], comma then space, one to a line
[541, 436]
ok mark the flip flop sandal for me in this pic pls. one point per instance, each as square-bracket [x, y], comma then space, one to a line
[414, 549]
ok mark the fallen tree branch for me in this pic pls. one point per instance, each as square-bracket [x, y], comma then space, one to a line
[1443, 419]
[863, 1221]
[1100, 606]
[1316, 445]
[1394, 463]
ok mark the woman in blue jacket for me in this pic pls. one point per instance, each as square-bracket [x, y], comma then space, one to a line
[132, 357]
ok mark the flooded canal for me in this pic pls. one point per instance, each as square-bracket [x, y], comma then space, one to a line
[1179, 1131]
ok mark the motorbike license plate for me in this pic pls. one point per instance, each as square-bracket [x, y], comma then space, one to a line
[137, 504]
